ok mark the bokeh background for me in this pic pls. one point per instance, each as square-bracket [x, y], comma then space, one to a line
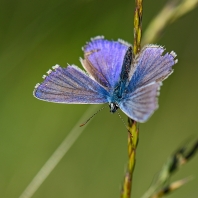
[35, 35]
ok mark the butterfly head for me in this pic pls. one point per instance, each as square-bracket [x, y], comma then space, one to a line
[113, 107]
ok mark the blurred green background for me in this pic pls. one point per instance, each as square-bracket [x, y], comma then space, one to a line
[35, 35]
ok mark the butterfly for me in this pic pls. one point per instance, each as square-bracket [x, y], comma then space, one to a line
[112, 75]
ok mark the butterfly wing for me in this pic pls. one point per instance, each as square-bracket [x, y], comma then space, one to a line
[141, 103]
[70, 85]
[104, 59]
[151, 66]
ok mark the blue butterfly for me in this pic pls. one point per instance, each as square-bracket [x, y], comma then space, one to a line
[112, 76]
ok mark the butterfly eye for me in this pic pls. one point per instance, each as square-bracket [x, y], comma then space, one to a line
[113, 107]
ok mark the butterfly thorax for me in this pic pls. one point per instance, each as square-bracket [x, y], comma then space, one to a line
[117, 96]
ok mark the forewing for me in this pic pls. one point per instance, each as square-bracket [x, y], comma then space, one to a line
[150, 65]
[93, 72]
[104, 59]
[70, 85]
[140, 104]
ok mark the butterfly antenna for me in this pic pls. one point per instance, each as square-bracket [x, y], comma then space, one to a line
[124, 123]
[92, 116]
